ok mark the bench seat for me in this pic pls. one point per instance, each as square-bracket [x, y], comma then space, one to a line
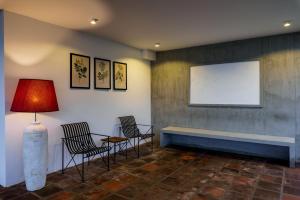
[209, 138]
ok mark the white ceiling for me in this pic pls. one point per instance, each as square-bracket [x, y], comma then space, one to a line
[172, 23]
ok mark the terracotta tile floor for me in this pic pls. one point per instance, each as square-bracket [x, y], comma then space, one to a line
[172, 173]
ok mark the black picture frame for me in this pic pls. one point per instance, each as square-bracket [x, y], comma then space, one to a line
[87, 84]
[95, 73]
[114, 76]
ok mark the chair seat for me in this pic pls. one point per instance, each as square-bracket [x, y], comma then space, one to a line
[94, 151]
[145, 136]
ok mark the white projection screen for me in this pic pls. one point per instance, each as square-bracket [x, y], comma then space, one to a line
[230, 84]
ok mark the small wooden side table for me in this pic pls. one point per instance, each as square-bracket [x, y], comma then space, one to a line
[118, 141]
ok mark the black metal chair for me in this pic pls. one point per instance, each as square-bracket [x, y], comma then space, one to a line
[130, 129]
[78, 139]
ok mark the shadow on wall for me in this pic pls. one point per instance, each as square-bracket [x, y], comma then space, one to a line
[241, 50]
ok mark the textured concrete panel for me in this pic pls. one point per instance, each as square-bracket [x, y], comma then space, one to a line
[279, 58]
[296, 55]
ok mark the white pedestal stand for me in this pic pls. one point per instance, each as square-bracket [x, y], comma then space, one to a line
[35, 156]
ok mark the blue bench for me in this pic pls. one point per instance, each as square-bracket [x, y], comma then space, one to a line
[244, 143]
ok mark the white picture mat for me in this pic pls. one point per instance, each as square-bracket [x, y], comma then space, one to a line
[226, 84]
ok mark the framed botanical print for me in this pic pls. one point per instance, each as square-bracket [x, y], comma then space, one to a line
[120, 76]
[79, 71]
[102, 73]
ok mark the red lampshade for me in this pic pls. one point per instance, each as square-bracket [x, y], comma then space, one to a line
[33, 95]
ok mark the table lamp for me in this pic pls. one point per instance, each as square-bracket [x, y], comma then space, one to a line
[33, 95]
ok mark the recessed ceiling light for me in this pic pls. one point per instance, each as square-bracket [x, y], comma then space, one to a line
[94, 21]
[287, 24]
[157, 45]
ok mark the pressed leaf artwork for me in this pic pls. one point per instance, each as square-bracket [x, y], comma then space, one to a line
[120, 73]
[80, 71]
[102, 73]
[120, 76]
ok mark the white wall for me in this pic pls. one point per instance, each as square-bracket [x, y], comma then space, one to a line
[34, 49]
[2, 106]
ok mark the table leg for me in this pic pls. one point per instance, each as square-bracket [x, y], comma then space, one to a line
[114, 152]
[126, 150]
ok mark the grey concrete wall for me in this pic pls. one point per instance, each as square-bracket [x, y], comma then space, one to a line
[279, 58]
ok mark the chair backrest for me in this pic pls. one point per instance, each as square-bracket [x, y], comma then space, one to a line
[129, 127]
[77, 132]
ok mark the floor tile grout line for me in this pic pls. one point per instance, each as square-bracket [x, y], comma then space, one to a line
[117, 194]
[256, 184]
[36, 195]
[161, 180]
[282, 184]
[167, 168]
[137, 176]
[231, 182]
[124, 171]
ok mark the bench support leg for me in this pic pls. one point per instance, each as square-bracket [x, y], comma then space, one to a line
[292, 156]
[164, 139]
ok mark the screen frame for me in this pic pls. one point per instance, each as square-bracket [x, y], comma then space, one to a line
[261, 100]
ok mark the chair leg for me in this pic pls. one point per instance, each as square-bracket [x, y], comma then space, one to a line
[138, 147]
[152, 143]
[115, 152]
[82, 169]
[108, 167]
[62, 157]
[126, 150]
